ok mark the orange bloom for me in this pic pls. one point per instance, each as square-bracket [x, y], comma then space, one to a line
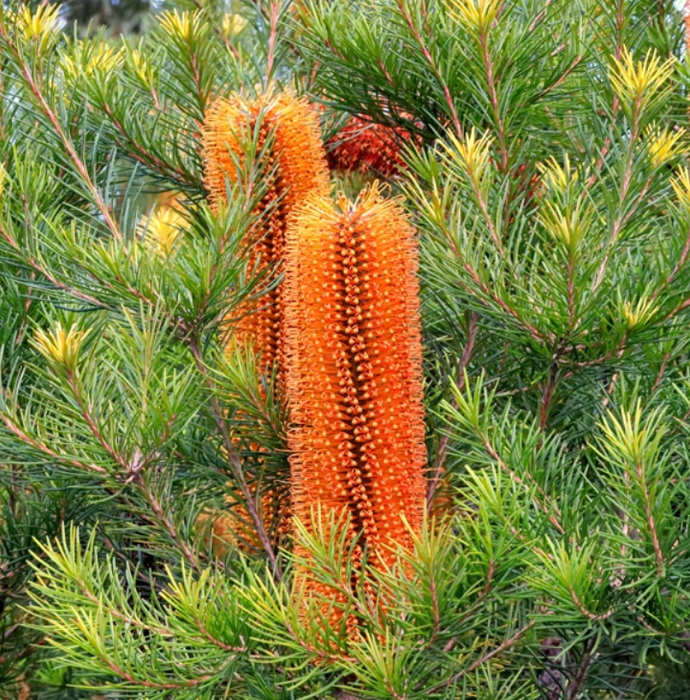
[361, 146]
[296, 165]
[295, 162]
[354, 371]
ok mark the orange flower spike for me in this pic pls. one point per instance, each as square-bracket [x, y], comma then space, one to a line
[297, 160]
[296, 163]
[302, 167]
[354, 369]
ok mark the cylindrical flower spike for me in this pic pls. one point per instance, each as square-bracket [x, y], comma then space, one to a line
[297, 168]
[354, 371]
[288, 136]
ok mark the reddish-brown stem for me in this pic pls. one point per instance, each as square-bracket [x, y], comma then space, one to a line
[660, 373]
[35, 265]
[442, 450]
[571, 291]
[22, 324]
[493, 97]
[539, 16]
[64, 138]
[621, 220]
[485, 212]
[676, 268]
[235, 461]
[324, 656]
[487, 657]
[681, 307]
[118, 671]
[137, 151]
[163, 519]
[93, 427]
[618, 350]
[134, 472]
[434, 607]
[561, 79]
[588, 614]
[402, 6]
[544, 507]
[581, 672]
[500, 302]
[620, 19]
[651, 523]
[37, 445]
[547, 396]
[272, 39]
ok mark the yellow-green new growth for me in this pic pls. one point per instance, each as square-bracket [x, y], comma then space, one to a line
[60, 346]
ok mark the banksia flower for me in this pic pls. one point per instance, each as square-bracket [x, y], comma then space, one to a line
[364, 147]
[354, 371]
[297, 168]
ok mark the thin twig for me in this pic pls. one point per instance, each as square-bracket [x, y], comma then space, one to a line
[493, 97]
[651, 523]
[402, 6]
[547, 395]
[41, 447]
[544, 507]
[442, 451]
[587, 613]
[500, 302]
[66, 141]
[272, 40]
[164, 520]
[581, 673]
[235, 461]
[487, 657]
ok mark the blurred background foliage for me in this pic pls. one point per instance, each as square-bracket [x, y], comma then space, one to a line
[125, 16]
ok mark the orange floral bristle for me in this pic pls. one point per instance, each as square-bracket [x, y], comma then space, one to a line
[354, 371]
[295, 162]
[236, 532]
[363, 147]
[297, 167]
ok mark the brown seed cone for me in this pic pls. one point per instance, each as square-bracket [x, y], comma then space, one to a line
[354, 371]
[362, 146]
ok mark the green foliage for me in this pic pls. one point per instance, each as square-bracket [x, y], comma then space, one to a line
[550, 189]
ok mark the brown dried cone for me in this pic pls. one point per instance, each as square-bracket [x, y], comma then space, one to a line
[354, 376]
[296, 165]
[362, 146]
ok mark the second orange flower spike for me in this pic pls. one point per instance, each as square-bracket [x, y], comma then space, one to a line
[354, 371]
